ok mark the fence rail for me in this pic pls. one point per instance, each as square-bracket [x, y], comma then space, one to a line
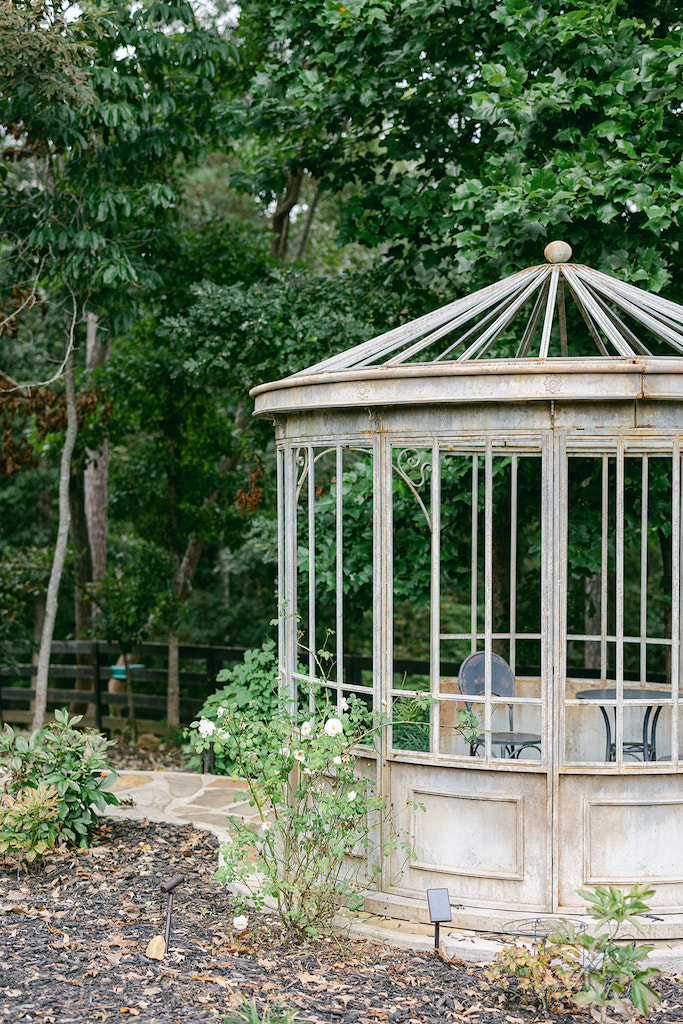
[196, 683]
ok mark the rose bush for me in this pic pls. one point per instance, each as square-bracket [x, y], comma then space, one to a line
[320, 817]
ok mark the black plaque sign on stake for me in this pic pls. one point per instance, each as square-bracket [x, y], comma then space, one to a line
[439, 910]
[168, 887]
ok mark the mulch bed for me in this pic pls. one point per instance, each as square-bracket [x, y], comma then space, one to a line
[73, 939]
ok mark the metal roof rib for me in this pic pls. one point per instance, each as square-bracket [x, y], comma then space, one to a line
[474, 323]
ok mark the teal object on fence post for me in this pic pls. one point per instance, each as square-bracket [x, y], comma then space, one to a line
[119, 671]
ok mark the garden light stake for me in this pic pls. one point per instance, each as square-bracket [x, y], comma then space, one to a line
[169, 887]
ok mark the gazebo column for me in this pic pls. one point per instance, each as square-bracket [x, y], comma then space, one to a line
[383, 623]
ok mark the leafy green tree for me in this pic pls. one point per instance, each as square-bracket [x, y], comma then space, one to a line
[475, 132]
[131, 599]
[97, 114]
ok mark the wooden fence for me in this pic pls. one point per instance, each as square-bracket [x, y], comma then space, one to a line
[105, 709]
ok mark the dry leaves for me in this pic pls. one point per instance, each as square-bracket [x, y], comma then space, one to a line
[156, 948]
[310, 979]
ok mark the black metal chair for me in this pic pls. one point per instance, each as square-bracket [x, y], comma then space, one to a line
[471, 680]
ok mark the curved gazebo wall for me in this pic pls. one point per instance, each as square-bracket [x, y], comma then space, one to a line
[522, 458]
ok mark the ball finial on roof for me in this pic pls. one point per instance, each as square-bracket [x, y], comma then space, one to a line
[557, 252]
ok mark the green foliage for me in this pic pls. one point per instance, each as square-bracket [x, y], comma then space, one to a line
[62, 756]
[319, 813]
[548, 974]
[30, 822]
[242, 335]
[586, 970]
[23, 578]
[131, 103]
[249, 1013]
[171, 480]
[132, 595]
[251, 689]
[473, 133]
[618, 977]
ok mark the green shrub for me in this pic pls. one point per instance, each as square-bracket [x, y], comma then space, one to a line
[71, 760]
[592, 971]
[251, 690]
[30, 822]
[320, 816]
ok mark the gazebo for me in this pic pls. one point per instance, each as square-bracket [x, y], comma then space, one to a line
[501, 478]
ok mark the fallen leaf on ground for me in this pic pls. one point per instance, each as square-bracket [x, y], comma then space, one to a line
[156, 948]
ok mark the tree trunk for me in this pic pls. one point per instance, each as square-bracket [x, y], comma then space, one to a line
[97, 469]
[593, 620]
[173, 692]
[286, 202]
[306, 227]
[60, 546]
[82, 559]
[38, 620]
[83, 576]
[181, 589]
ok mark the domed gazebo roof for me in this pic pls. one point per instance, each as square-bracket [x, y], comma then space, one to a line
[557, 329]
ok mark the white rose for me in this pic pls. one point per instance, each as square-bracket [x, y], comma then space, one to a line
[307, 728]
[336, 760]
[240, 923]
[333, 727]
[351, 796]
[220, 712]
[206, 728]
[299, 755]
[344, 704]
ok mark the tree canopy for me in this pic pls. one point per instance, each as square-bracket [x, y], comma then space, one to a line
[472, 133]
[237, 193]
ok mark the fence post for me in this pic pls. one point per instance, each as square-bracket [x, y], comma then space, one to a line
[97, 689]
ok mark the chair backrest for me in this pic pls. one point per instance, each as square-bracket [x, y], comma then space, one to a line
[472, 673]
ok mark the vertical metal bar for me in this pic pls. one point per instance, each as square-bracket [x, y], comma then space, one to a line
[488, 589]
[475, 553]
[513, 564]
[382, 642]
[281, 497]
[289, 573]
[676, 612]
[312, 645]
[644, 490]
[339, 621]
[553, 642]
[435, 658]
[604, 563]
[619, 737]
[559, 512]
